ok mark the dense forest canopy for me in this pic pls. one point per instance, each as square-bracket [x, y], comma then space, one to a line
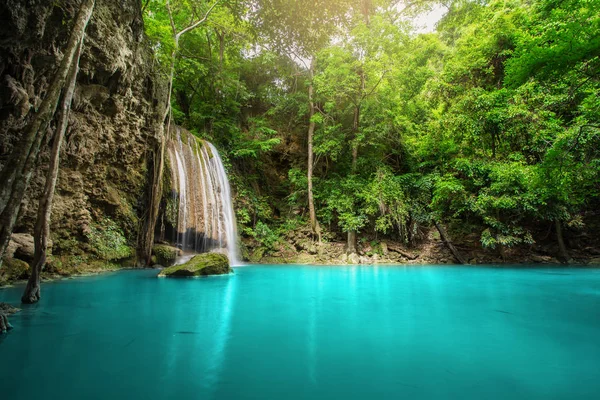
[491, 121]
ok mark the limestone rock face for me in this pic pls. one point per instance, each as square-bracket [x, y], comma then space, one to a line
[114, 123]
[199, 265]
[21, 246]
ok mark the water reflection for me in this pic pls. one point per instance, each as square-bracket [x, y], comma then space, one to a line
[311, 332]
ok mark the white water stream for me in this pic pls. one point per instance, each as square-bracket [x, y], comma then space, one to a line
[205, 217]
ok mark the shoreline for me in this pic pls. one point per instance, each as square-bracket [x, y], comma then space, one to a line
[58, 278]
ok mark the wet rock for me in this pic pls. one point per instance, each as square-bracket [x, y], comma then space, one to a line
[365, 260]
[594, 261]
[544, 259]
[200, 265]
[353, 259]
[8, 309]
[165, 255]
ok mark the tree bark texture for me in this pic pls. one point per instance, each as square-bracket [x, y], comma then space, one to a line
[41, 233]
[314, 223]
[448, 243]
[564, 253]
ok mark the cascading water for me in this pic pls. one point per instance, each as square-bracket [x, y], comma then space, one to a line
[205, 218]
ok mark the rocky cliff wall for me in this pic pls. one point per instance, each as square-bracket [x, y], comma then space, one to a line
[103, 179]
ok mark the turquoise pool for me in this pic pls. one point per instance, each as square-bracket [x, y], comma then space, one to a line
[310, 332]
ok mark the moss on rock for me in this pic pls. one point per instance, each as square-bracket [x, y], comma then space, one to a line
[202, 264]
[13, 269]
[165, 255]
[257, 255]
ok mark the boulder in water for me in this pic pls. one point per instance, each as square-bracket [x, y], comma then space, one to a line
[165, 255]
[200, 265]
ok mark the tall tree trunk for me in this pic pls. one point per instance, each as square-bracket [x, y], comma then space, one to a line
[351, 247]
[564, 253]
[448, 243]
[41, 233]
[147, 235]
[17, 172]
[221, 36]
[354, 142]
[314, 223]
[158, 163]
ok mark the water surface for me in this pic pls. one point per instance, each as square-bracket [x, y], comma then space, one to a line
[305, 332]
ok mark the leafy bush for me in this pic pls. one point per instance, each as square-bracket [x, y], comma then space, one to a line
[107, 241]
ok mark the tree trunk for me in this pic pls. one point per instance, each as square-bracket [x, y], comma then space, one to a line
[147, 236]
[17, 172]
[4, 324]
[221, 36]
[564, 253]
[448, 243]
[42, 224]
[314, 224]
[351, 246]
[355, 126]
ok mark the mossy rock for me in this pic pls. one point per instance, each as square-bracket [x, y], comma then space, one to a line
[14, 269]
[200, 265]
[165, 255]
[257, 255]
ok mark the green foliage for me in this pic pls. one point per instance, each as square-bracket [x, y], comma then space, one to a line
[107, 241]
[493, 120]
[263, 234]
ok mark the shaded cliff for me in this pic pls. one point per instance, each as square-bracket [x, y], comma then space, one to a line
[118, 101]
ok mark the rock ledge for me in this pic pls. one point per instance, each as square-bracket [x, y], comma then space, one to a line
[200, 265]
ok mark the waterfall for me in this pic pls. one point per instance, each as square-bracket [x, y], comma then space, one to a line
[205, 220]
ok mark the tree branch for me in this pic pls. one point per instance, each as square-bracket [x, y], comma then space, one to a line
[200, 22]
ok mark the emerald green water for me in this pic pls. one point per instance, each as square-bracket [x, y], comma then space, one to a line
[305, 332]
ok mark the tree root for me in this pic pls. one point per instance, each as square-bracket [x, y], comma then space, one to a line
[5, 311]
[4, 324]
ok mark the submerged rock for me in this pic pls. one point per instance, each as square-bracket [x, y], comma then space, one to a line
[199, 265]
[165, 255]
